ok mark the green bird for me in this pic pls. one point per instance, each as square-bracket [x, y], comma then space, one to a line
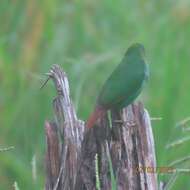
[124, 84]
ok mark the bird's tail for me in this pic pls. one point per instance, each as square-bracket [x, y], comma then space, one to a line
[98, 113]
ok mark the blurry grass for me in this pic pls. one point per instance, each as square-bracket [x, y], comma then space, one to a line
[88, 39]
[97, 173]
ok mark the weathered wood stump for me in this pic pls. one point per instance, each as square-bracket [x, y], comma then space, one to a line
[117, 153]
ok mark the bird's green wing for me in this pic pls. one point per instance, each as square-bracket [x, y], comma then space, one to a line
[124, 84]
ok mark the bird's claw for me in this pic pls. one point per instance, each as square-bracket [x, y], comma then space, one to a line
[128, 123]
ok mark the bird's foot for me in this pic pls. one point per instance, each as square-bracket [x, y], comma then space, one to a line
[128, 123]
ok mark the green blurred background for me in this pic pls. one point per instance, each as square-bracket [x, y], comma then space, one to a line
[87, 38]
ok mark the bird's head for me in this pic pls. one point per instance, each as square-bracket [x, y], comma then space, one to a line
[136, 49]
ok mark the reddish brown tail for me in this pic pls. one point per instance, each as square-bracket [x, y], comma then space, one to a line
[97, 114]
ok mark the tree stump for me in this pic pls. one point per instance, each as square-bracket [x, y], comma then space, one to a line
[117, 153]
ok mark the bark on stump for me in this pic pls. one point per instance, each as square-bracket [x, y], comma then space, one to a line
[117, 153]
